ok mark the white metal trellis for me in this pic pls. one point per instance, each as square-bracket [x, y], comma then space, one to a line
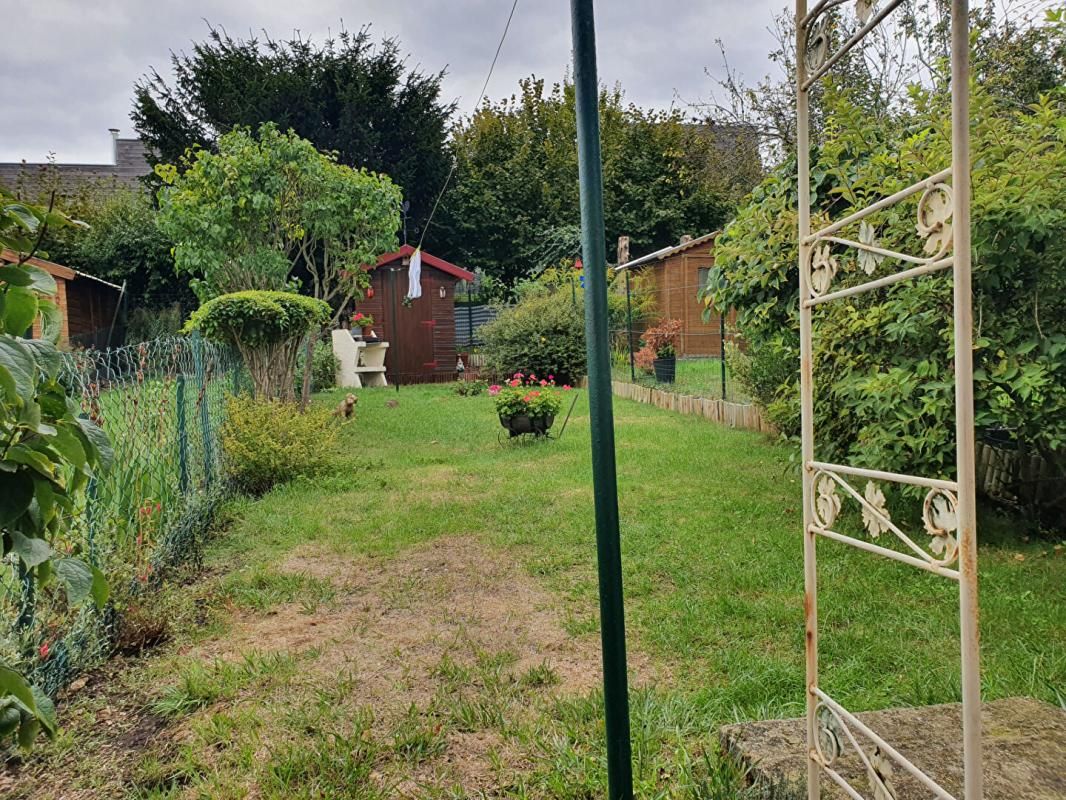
[943, 224]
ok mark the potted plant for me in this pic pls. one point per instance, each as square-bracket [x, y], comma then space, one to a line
[526, 404]
[660, 349]
[365, 323]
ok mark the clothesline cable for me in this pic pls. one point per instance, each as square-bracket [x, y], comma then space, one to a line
[484, 88]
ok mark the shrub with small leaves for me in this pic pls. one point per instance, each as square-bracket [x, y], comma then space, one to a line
[543, 334]
[268, 329]
[267, 442]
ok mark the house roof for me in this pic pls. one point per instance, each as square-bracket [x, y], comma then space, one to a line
[54, 269]
[665, 252]
[429, 260]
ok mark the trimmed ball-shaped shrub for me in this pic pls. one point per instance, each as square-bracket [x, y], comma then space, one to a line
[267, 328]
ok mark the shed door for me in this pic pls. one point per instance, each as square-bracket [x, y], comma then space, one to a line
[410, 358]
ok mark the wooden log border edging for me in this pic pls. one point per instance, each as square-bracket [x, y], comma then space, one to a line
[732, 415]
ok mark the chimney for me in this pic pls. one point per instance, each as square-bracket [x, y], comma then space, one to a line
[686, 238]
[114, 145]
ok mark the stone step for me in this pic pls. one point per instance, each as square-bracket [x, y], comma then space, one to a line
[1024, 752]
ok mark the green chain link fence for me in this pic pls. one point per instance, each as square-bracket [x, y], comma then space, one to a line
[160, 403]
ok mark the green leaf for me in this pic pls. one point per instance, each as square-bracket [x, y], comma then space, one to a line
[31, 550]
[99, 441]
[42, 281]
[48, 358]
[46, 710]
[11, 683]
[20, 310]
[77, 577]
[16, 360]
[28, 732]
[16, 492]
[69, 446]
[16, 276]
[51, 321]
[100, 591]
[23, 454]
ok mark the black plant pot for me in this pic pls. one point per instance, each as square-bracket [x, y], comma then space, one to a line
[665, 369]
[522, 424]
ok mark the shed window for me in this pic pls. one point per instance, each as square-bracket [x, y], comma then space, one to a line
[704, 277]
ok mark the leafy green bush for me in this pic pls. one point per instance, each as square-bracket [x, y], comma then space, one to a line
[324, 366]
[542, 335]
[266, 442]
[883, 359]
[769, 376]
[268, 329]
[48, 458]
[470, 388]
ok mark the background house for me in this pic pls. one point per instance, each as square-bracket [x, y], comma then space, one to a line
[677, 274]
[35, 180]
[91, 308]
[421, 335]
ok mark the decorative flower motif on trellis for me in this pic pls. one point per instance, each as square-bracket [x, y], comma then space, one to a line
[868, 236]
[826, 501]
[940, 515]
[934, 219]
[823, 269]
[875, 525]
[817, 44]
[879, 773]
[829, 735]
[864, 9]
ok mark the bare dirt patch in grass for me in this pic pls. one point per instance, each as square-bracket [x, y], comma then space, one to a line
[432, 658]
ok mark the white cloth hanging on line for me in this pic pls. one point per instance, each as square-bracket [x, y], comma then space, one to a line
[414, 276]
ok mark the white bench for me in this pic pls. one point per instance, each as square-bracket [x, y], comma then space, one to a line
[361, 363]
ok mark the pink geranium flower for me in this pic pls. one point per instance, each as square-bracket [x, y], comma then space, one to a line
[495, 389]
[566, 387]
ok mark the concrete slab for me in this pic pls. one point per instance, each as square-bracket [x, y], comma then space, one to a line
[1024, 752]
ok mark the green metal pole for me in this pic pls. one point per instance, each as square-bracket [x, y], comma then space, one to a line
[205, 419]
[604, 477]
[721, 349]
[183, 438]
[629, 332]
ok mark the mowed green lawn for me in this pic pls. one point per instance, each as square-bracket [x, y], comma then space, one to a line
[712, 559]
[711, 547]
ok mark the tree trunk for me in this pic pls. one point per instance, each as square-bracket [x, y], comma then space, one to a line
[309, 353]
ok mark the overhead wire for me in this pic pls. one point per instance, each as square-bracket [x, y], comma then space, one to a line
[484, 88]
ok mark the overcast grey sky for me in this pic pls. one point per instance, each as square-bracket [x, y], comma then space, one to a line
[67, 70]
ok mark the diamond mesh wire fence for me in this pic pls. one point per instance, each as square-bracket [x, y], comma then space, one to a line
[161, 403]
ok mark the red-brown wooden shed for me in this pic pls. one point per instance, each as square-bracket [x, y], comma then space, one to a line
[421, 335]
